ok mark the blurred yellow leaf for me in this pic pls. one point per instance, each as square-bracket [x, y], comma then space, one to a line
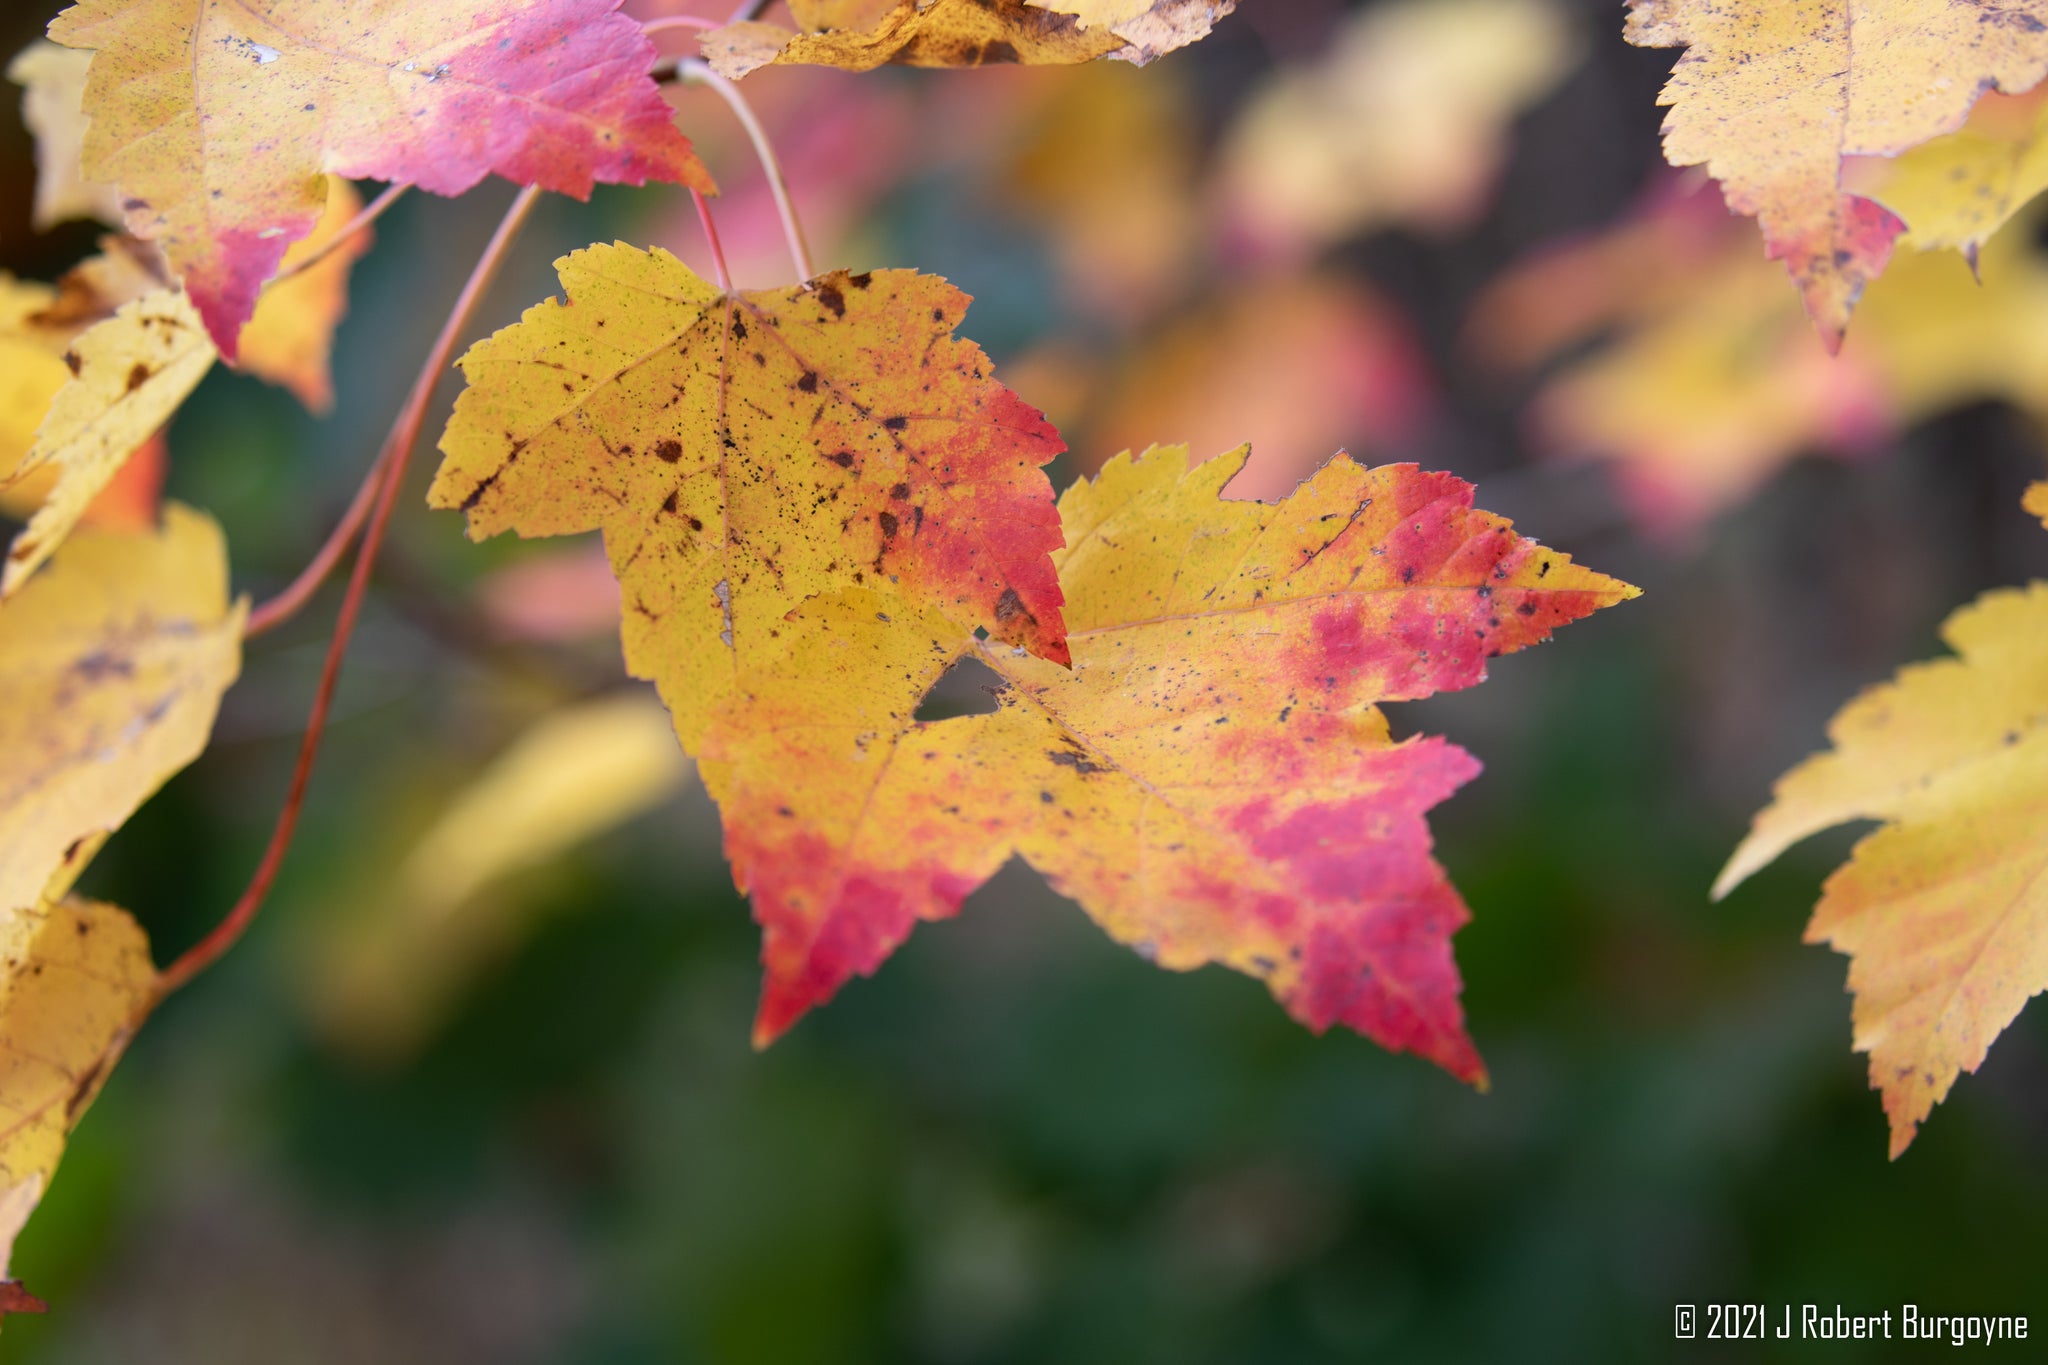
[1944, 910]
[52, 80]
[30, 373]
[1958, 190]
[1714, 384]
[392, 964]
[75, 981]
[112, 665]
[1107, 167]
[1403, 121]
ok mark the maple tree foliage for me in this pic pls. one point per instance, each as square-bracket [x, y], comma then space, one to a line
[816, 500]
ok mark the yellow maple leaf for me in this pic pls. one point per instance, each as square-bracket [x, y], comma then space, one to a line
[1771, 96]
[1212, 779]
[88, 323]
[863, 36]
[1943, 911]
[52, 79]
[1957, 190]
[1403, 120]
[112, 665]
[743, 452]
[76, 982]
[130, 373]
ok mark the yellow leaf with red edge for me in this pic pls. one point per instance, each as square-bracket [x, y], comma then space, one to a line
[112, 666]
[1212, 779]
[75, 982]
[743, 452]
[219, 121]
[866, 34]
[1943, 911]
[52, 81]
[1772, 95]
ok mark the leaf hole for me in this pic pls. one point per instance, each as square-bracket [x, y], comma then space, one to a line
[968, 688]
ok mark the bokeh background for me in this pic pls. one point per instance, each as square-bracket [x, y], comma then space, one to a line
[532, 1130]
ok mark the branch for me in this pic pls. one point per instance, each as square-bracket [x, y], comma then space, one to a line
[397, 453]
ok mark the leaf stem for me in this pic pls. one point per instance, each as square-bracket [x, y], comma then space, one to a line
[365, 216]
[711, 236]
[392, 461]
[695, 69]
[748, 9]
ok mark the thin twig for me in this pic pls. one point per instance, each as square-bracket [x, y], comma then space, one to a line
[749, 9]
[367, 215]
[711, 236]
[695, 69]
[397, 454]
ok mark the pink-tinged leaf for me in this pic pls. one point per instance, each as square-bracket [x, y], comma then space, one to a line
[217, 118]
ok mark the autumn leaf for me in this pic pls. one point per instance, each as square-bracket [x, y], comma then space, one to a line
[112, 665]
[1770, 97]
[1959, 189]
[742, 452]
[125, 351]
[52, 80]
[75, 983]
[1212, 779]
[289, 341]
[437, 93]
[30, 372]
[1943, 911]
[130, 374]
[860, 35]
[1402, 120]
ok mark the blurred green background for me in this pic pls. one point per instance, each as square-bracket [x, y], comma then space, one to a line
[1019, 1142]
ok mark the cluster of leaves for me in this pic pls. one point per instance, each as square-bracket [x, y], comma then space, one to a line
[817, 500]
